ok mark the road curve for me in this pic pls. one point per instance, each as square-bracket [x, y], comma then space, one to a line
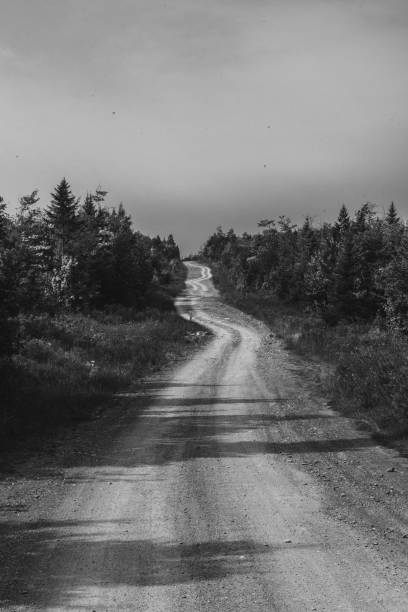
[202, 502]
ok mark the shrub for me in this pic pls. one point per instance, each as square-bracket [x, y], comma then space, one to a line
[68, 364]
[366, 374]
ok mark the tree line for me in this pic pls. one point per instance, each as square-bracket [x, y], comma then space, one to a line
[73, 255]
[353, 269]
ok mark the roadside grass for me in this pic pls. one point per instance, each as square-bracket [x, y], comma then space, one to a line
[363, 368]
[68, 365]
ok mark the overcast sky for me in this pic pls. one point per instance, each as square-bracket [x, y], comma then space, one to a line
[196, 113]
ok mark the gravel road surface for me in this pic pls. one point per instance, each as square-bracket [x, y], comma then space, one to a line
[226, 484]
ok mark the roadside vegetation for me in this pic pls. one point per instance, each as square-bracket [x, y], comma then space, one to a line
[86, 308]
[337, 294]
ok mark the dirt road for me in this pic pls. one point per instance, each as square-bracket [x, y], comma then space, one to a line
[227, 485]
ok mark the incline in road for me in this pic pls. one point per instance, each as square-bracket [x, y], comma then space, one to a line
[214, 496]
[199, 286]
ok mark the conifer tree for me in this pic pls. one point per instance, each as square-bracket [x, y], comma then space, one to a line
[393, 281]
[392, 217]
[62, 213]
[30, 254]
[342, 298]
[172, 250]
[88, 207]
[62, 221]
[84, 283]
[3, 221]
[342, 225]
[29, 219]
[363, 217]
[5, 330]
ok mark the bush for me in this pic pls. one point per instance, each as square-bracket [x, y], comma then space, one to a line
[68, 364]
[367, 364]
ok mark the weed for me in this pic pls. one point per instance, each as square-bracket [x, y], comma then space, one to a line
[367, 365]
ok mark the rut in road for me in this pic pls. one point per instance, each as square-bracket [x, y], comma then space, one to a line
[200, 501]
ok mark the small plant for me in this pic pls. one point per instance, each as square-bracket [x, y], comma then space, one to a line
[363, 366]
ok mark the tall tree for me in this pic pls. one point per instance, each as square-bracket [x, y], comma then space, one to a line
[392, 217]
[3, 221]
[62, 213]
[342, 225]
[364, 217]
[88, 207]
[172, 250]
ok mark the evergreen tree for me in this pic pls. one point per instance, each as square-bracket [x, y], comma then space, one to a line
[88, 237]
[6, 335]
[393, 281]
[342, 298]
[172, 250]
[392, 217]
[31, 254]
[88, 207]
[122, 267]
[62, 214]
[4, 221]
[307, 243]
[343, 222]
[369, 254]
[350, 269]
[363, 217]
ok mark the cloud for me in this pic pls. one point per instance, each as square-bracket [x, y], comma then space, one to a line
[194, 86]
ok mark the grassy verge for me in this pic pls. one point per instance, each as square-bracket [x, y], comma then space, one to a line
[67, 365]
[365, 368]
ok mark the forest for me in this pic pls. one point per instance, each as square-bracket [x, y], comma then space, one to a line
[336, 292]
[86, 305]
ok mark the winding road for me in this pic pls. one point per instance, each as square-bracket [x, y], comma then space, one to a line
[229, 485]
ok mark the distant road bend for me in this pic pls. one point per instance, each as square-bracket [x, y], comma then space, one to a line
[231, 487]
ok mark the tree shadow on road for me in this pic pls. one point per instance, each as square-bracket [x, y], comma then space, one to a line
[181, 435]
[174, 429]
[65, 561]
[160, 430]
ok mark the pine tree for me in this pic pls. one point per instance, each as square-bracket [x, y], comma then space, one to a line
[364, 217]
[62, 213]
[392, 217]
[342, 224]
[88, 207]
[172, 250]
[62, 221]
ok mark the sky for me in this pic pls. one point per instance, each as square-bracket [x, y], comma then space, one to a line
[196, 114]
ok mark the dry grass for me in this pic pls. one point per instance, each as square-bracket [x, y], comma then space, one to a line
[367, 377]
